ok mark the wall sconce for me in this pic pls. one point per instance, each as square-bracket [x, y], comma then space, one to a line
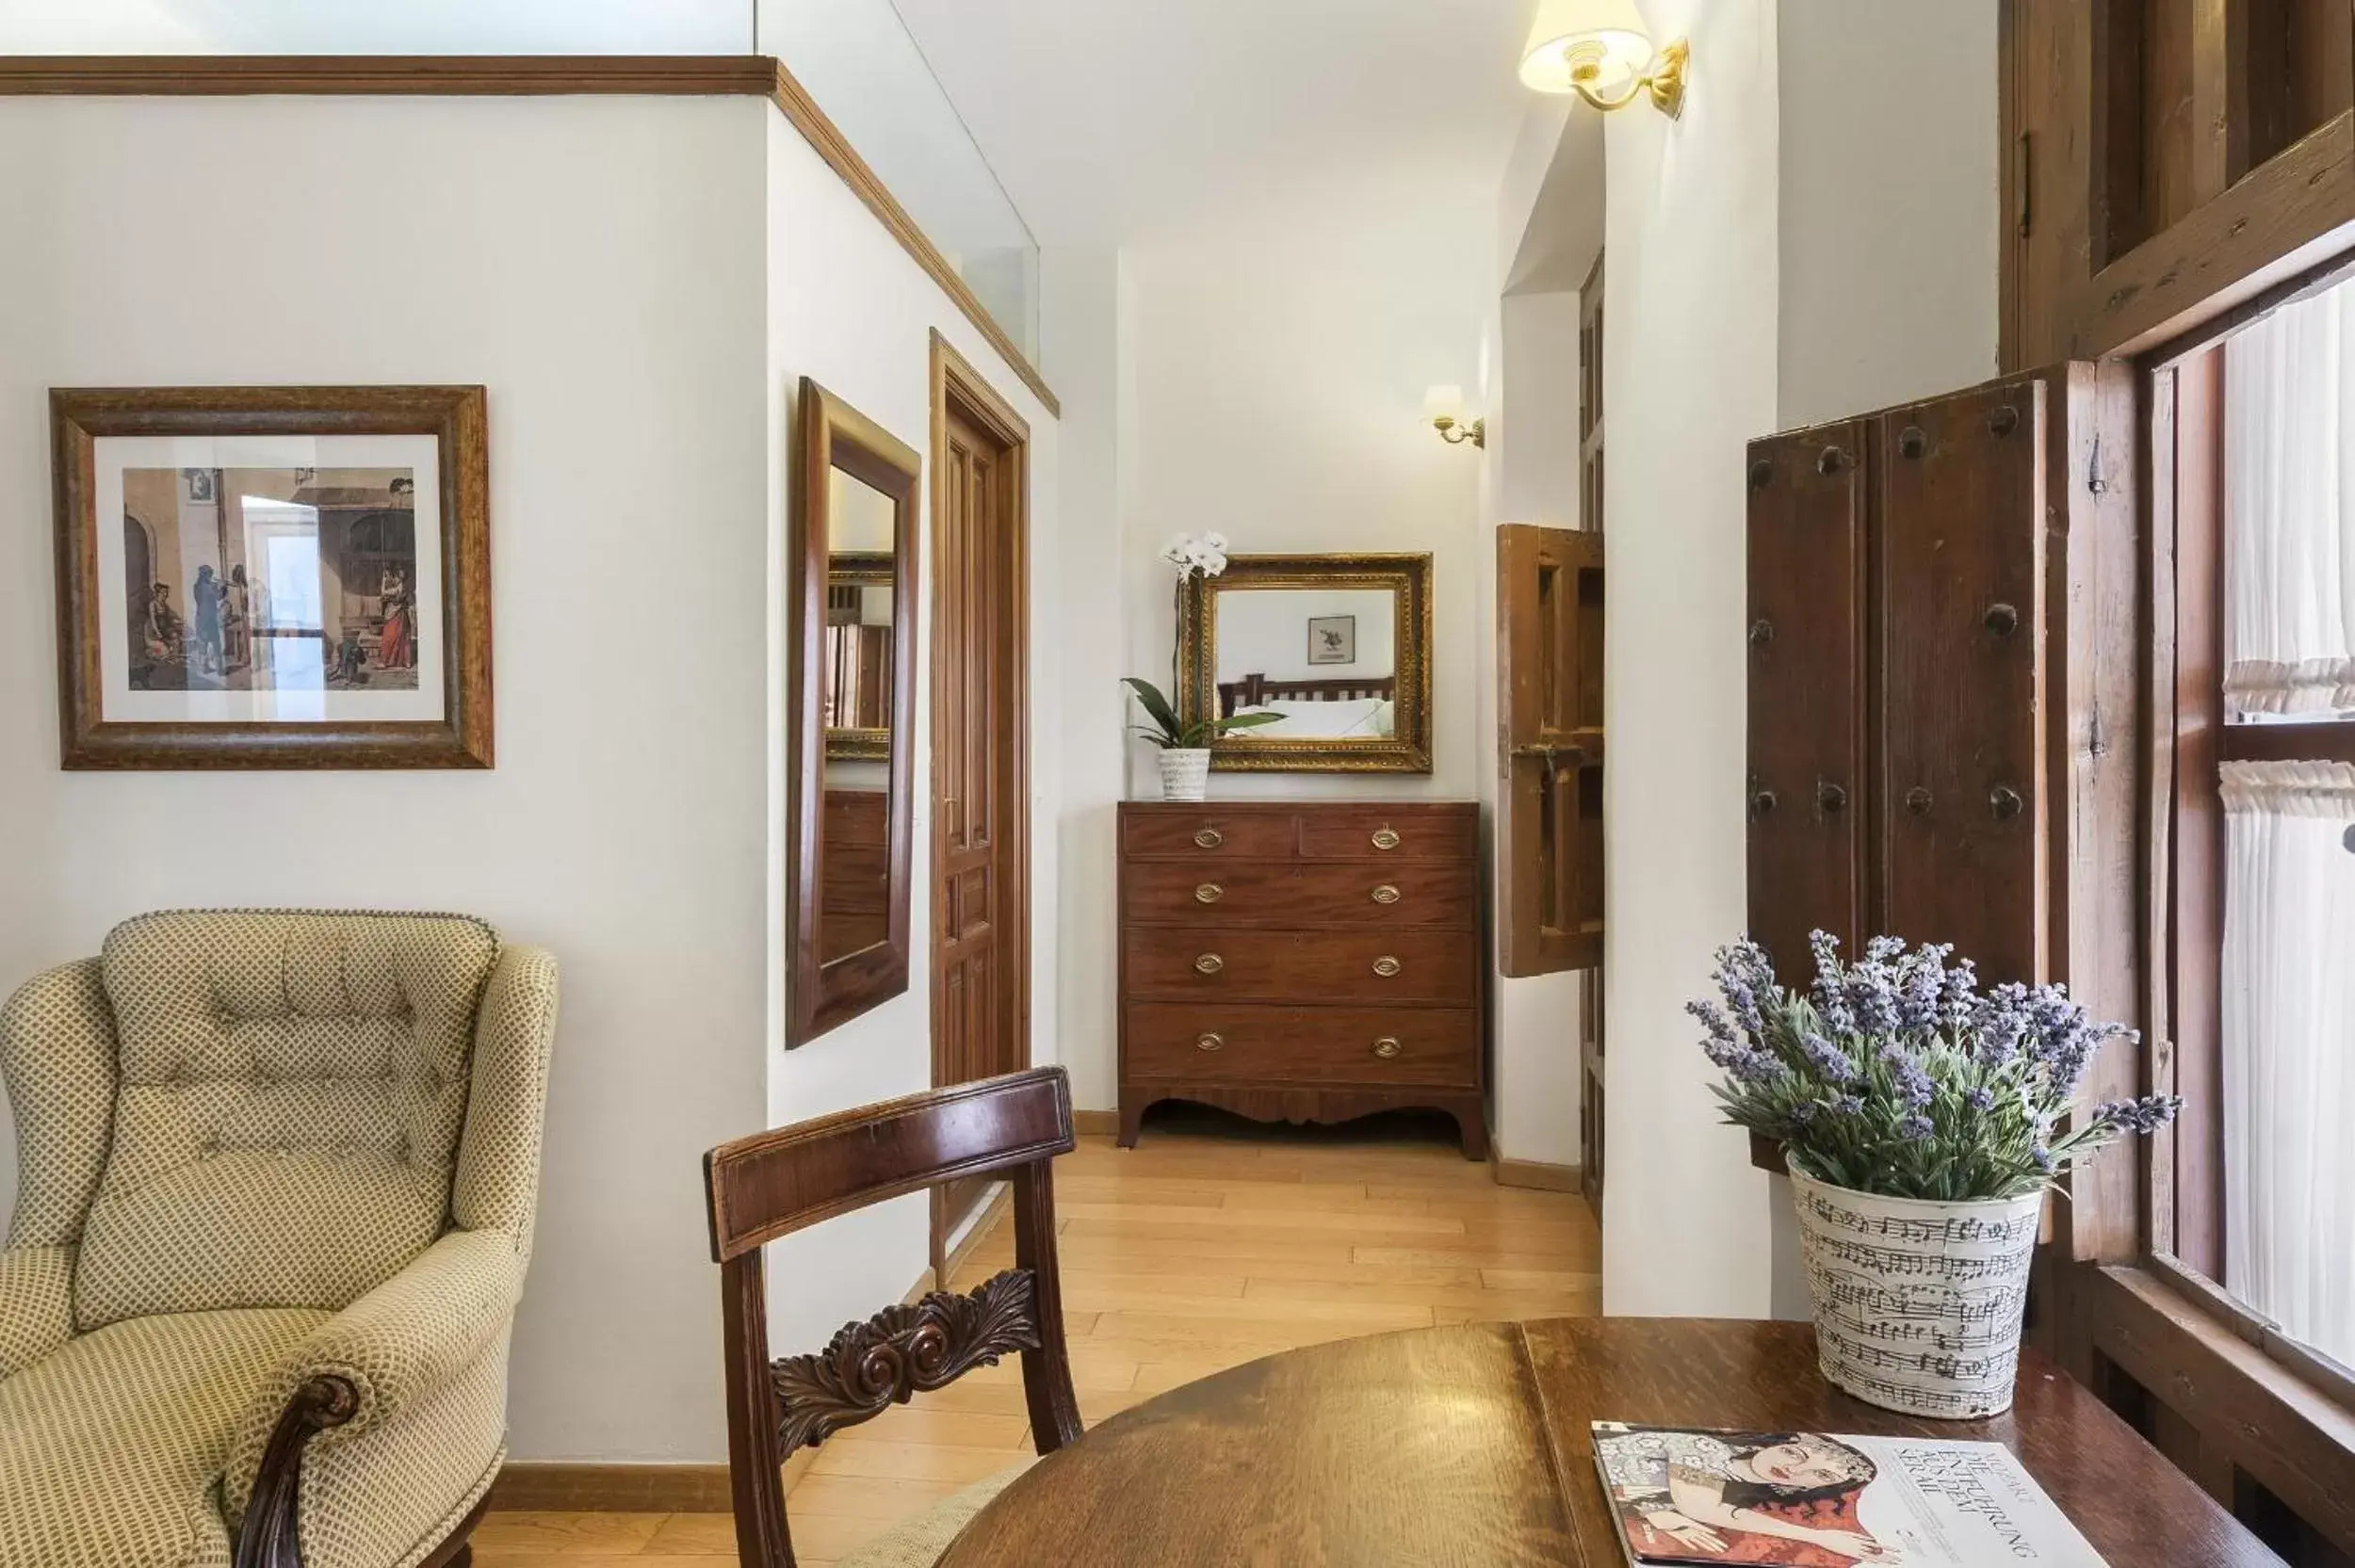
[1600, 50]
[1444, 406]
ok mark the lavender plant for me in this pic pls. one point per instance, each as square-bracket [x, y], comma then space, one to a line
[1894, 1075]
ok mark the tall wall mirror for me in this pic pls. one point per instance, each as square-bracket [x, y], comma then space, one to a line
[1338, 645]
[853, 560]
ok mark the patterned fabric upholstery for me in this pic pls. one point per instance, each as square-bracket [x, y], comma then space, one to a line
[292, 1089]
[918, 1542]
[287, 1137]
[111, 1447]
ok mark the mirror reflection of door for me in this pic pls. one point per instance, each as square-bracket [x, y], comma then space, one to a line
[1324, 661]
[855, 823]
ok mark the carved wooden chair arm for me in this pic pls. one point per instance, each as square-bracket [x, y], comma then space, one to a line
[266, 1537]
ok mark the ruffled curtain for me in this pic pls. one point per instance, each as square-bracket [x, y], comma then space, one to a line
[2289, 464]
[2289, 1047]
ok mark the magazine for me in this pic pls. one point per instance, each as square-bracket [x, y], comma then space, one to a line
[1688, 1496]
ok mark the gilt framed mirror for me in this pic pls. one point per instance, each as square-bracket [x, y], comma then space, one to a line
[1338, 645]
[853, 560]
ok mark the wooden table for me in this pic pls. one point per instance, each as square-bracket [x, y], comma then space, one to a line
[1462, 1447]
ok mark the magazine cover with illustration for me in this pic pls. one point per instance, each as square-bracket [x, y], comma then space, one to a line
[1685, 1495]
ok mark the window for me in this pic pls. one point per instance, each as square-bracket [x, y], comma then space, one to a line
[2263, 972]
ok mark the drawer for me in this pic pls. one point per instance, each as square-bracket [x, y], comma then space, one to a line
[1335, 967]
[1411, 893]
[1205, 833]
[1277, 1044]
[1388, 834]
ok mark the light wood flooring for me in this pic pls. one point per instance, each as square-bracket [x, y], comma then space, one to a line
[1210, 1244]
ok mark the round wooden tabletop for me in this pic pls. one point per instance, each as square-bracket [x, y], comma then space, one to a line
[1469, 1447]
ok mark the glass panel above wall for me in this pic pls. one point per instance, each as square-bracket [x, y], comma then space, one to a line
[410, 27]
[858, 60]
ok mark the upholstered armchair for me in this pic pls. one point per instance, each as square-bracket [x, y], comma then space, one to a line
[277, 1173]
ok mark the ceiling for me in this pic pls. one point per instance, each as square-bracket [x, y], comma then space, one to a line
[1114, 121]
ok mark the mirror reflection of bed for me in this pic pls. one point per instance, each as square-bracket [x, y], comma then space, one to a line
[1326, 709]
[1324, 660]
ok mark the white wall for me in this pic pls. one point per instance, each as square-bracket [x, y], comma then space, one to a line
[556, 251]
[1087, 333]
[1814, 239]
[1531, 475]
[847, 306]
[640, 283]
[410, 27]
[1889, 195]
[1279, 390]
[1691, 278]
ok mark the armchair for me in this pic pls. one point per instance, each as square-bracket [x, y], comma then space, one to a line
[278, 1172]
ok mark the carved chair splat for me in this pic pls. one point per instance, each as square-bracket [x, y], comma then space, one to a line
[772, 1184]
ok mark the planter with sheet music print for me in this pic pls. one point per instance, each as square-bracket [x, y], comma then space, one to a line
[1922, 1122]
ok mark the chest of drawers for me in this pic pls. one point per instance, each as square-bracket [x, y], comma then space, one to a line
[1302, 961]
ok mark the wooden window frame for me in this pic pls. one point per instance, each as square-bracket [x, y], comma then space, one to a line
[2135, 1312]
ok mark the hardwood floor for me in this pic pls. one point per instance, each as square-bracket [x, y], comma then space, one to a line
[1211, 1243]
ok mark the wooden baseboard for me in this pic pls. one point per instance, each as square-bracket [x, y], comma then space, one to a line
[1532, 1173]
[542, 1487]
[1096, 1123]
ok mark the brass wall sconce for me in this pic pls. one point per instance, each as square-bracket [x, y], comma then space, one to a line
[1444, 406]
[1600, 50]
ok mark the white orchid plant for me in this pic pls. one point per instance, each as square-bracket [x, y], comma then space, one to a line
[1193, 554]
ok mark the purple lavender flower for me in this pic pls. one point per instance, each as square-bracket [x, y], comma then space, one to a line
[1832, 1002]
[1907, 1075]
[2143, 1116]
[1960, 1001]
[1743, 974]
[1848, 1104]
[1827, 1057]
[1914, 1124]
[1922, 986]
[1981, 1098]
[1999, 1024]
[1730, 1050]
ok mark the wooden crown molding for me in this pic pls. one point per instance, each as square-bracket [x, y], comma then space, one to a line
[520, 75]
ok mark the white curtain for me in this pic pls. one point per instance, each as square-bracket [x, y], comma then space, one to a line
[2289, 465]
[2289, 1047]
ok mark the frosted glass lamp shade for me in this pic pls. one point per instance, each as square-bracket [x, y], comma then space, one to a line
[1443, 402]
[1601, 45]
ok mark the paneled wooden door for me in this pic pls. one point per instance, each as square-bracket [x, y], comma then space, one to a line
[981, 730]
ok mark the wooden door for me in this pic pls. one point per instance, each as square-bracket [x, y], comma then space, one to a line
[981, 818]
[1549, 608]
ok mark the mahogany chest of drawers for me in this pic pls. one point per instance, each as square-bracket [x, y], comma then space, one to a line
[1302, 961]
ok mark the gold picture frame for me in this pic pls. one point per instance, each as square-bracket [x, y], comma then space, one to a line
[1406, 750]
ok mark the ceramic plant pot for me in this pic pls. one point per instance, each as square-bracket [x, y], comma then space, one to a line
[1185, 772]
[1917, 1303]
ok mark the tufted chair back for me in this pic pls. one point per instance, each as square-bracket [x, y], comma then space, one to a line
[289, 1089]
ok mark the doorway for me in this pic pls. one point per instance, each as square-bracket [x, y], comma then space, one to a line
[980, 739]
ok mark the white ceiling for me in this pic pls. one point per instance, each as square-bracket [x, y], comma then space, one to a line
[1118, 120]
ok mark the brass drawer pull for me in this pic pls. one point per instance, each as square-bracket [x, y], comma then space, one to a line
[1386, 1047]
[1209, 1041]
[1208, 838]
[1386, 966]
[1209, 893]
[1385, 838]
[1209, 963]
[1385, 893]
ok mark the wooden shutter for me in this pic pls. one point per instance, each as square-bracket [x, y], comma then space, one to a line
[1961, 799]
[1550, 667]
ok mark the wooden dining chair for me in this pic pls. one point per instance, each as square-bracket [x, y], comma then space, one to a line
[775, 1183]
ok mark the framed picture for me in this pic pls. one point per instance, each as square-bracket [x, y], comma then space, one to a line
[1332, 639]
[272, 576]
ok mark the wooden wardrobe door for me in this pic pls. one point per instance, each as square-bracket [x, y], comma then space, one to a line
[1807, 699]
[1960, 796]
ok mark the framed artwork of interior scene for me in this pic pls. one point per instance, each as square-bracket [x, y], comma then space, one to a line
[272, 576]
[1336, 647]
